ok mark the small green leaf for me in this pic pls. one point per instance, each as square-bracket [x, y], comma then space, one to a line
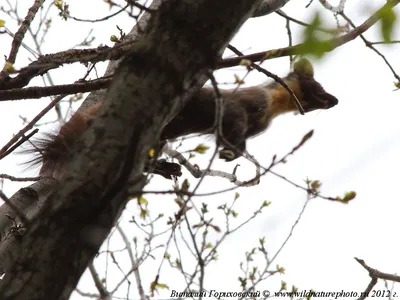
[294, 289]
[185, 185]
[208, 246]
[315, 186]
[162, 286]
[151, 153]
[201, 149]
[349, 196]
[266, 203]
[9, 68]
[280, 269]
[310, 294]
[114, 39]
[143, 213]
[204, 208]
[142, 201]
[238, 80]
[58, 4]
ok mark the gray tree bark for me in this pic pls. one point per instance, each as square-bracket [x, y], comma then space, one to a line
[181, 43]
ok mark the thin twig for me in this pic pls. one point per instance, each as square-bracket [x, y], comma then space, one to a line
[101, 19]
[18, 179]
[30, 125]
[37, 92]
[19, 214]
[19, 36]
[97, 281]
[370, 45]
[23, 139]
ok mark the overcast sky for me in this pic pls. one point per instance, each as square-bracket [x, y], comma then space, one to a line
[355, 147]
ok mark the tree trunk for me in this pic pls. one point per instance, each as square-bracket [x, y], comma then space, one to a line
[182, 41]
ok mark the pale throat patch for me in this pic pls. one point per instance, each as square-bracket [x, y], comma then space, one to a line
[280, 101]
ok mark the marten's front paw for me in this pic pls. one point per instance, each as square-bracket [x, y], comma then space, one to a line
[165, 169]
[227, 154]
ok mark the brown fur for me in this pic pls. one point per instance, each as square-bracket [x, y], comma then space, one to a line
[247, 112]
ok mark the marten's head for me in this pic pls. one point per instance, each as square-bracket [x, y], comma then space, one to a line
[313, 94]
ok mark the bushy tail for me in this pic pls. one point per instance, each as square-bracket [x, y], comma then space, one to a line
[53, 149]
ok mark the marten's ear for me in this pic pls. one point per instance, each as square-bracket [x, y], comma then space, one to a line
[303, 67]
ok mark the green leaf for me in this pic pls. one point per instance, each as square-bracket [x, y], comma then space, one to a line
[204, 208]
[280, 269]
[58, 4]
[185, 185]
[388, 19]
[312, 43]
[201, 149]
[143, 213]
[142, 201]
[347, 197]
[266, 203]
[208, 246]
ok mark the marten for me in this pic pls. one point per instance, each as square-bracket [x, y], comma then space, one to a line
[246, 113]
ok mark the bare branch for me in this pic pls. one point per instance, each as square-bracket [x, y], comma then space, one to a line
[37, 92]
[329, 44]
[370, 45]
[19, 36]
[18, 179]
[198, 173]
[97, 281]
[374, 273]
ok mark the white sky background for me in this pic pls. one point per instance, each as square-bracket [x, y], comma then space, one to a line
[355, 147]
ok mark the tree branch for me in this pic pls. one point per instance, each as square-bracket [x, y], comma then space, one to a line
[19, 36]
[94, 55]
